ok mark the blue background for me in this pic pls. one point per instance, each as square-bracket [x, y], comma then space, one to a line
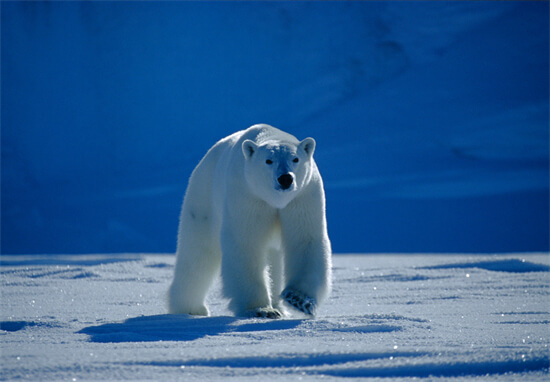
[431, 119]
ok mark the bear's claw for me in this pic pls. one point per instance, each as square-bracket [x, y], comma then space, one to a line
[266, 313]
[300, 301]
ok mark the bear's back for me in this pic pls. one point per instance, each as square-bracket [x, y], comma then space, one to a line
[260, 134]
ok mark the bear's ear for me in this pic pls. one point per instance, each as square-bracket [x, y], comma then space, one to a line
[308, 145]
[249, 147]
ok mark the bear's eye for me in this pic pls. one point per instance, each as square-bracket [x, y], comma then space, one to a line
[269, 161]
[296, 160]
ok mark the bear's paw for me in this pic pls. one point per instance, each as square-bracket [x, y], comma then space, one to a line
[266, 313]
[300, 301]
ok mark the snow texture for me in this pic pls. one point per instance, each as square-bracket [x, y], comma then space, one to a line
[431, 118]
[390, 317]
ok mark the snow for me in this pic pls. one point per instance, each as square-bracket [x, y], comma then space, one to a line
[390, 317]
[430, 115]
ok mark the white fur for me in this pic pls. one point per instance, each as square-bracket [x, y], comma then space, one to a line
[271, 238]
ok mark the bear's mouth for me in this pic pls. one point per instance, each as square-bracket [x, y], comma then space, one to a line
[281, 189]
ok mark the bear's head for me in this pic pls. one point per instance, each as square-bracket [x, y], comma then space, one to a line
[277, 171]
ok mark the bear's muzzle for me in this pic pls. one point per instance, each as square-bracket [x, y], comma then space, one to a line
[285, 181]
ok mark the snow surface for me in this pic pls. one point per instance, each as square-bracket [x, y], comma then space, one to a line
[390, 317]
[431, 118]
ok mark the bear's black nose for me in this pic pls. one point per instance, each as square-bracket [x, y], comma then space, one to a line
[285, 181]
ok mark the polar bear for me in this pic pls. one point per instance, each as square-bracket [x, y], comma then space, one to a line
[254, 207]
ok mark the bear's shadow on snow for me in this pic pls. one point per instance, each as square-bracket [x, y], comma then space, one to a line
[169, 327]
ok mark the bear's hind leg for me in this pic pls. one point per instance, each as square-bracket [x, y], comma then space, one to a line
[276, 274]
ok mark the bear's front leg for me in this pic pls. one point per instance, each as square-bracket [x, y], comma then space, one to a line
[245, 275]
[307, 250]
